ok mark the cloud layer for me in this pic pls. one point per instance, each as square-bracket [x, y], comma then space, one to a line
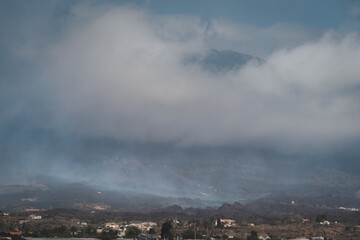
[120, 73]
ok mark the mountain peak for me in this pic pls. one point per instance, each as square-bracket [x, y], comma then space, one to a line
[216, 61]
[173, 208]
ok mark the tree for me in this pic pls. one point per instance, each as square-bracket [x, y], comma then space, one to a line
[208, 227]
[108, 235]
[61, 231]
[244, 223]
[132, 232]
[73, 230]
[253, 236]
[219, 223]
[151, 232]
[45, 232]
[290, 219]
[167, 230]
[321, 217]
[90, 231]
[274, 237]
[190, 234]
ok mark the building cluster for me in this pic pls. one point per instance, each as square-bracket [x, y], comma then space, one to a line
[82, 224]
[34, 217]
[145, 227]
[349, 209]
[32, 210]
[325, 223]
[264, 237]
[303, 238]
[224, 222]
[227, 222]
[121, 229]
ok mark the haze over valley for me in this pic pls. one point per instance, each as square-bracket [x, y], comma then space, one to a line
[140, 106]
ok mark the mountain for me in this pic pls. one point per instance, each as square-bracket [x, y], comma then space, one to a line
[86, 197]
[216, 61]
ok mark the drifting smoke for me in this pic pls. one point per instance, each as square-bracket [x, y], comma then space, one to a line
[115, 77]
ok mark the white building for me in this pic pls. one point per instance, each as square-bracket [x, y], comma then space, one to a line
[34, 217]
[227, 222]
[264, 237]
[112, 225]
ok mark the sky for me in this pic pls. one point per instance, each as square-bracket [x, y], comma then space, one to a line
[85, 85]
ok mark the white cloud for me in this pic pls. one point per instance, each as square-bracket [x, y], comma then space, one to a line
[119, 73]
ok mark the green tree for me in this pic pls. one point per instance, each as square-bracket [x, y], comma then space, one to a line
[167, 230]
[132, 232]
[151, 232]
[45, 232]
[274, 237]
[61, 231]
[291, 219]
[253, 236]
[190, 234]
[218, 223]
[208, 227]
[90, 231]
[108, 235]
[321, 217]
[73, 230]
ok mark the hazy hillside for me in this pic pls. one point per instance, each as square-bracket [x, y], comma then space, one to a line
[83, 196]
[89, 198]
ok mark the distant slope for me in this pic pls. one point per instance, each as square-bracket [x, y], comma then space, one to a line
[267, 210]
[216, 61]
[83, 196]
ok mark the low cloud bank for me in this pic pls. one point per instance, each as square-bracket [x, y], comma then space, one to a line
[122, 75]
[118, 74]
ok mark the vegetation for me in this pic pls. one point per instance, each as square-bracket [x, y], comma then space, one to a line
[190, 234]
[107, 235]
[132, 232]
[321, 218]
[253, 236]
[291, 219]
[167, 230]
[65, 226]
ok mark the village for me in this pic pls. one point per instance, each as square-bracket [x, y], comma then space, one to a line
[33, 224]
